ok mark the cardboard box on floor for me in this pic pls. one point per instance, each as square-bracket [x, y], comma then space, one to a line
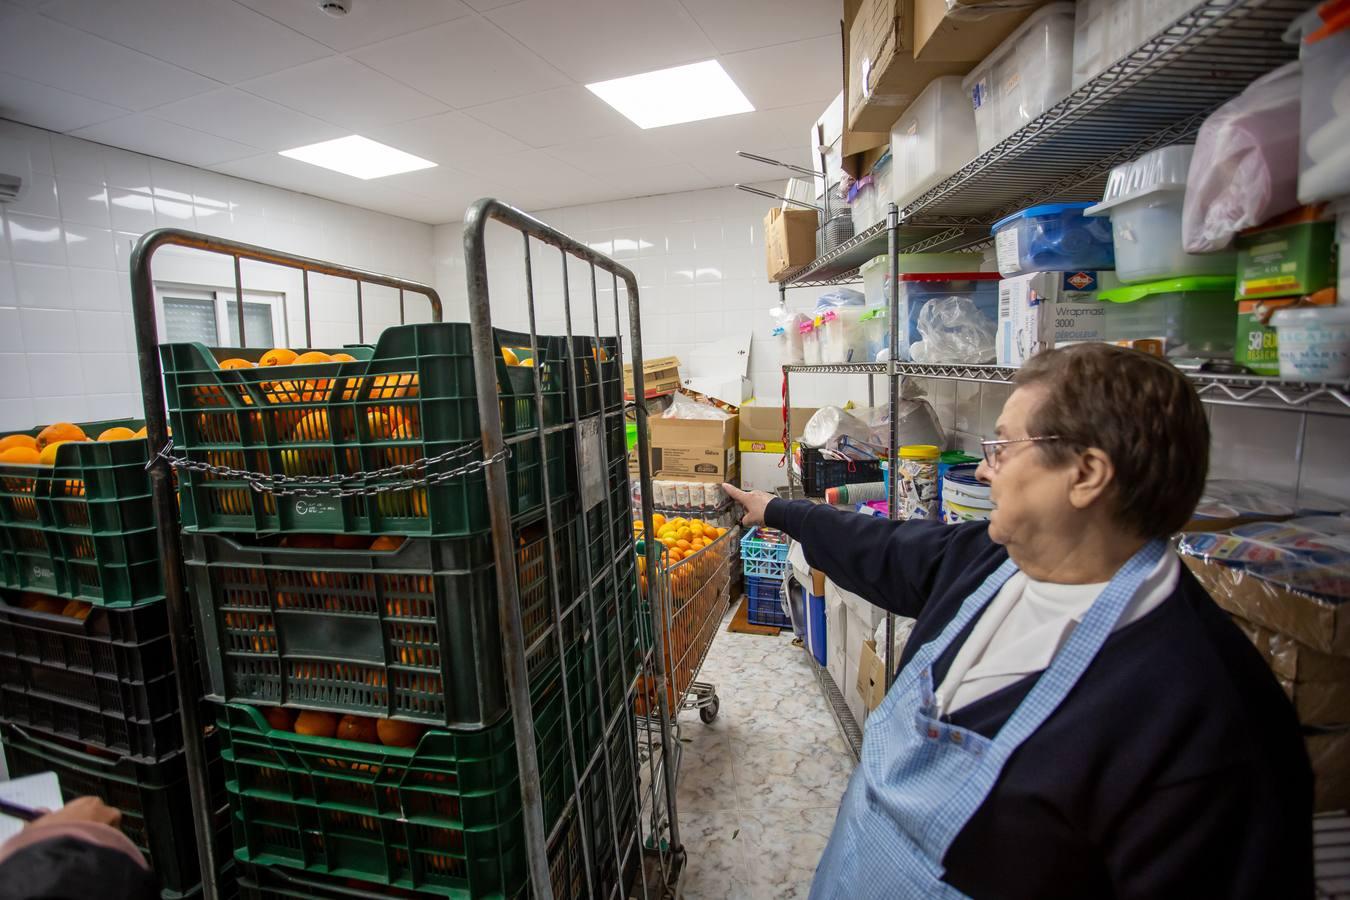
[762, 427]
[659, 376]
[694, 449]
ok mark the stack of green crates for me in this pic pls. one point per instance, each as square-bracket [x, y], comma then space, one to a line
[87, 688]
[384, 605]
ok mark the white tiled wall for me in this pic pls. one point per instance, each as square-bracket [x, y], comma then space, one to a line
[699, 259]
[66, 345]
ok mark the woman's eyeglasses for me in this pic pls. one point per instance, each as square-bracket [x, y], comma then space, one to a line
[993, 450]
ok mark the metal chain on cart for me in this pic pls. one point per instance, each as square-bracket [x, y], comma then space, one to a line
[330, 485]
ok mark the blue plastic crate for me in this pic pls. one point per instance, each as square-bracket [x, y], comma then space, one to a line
[763, 558]
[765, 605]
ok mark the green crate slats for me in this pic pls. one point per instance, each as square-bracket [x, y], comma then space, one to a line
[152, 797]
[414, 397]
[83, 529]
[106, 680]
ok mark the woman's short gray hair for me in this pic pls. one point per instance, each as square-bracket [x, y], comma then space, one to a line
[1141, 412]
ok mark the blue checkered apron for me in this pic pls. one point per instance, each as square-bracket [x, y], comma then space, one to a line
[921, 779]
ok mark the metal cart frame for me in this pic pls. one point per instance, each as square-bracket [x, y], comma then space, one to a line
[656, 858]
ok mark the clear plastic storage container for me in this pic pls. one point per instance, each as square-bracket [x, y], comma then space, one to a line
[1314, 342]
[1144, 199]
[810, 343]
[872, 198]
[876, 332]
[1193, 316]
[1324, 116]
[934, 138]
[917, 288]
[1054, 237]
[1028, 73]
[1105, 31]
[876, 271]
[840, 335]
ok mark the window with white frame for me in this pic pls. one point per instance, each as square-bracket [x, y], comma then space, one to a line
[195, 313]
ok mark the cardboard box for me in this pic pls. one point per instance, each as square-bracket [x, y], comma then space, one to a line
[659, 376]
[1293, 661]
[762, 427]
[1042, 310]
[1258, 346]
[1317, 623]
[881, 75]
[694, 449]
[965, 30]
[1330, 756]
[1320, 703]
[1295, 257]
[789, 240]
[871, 676]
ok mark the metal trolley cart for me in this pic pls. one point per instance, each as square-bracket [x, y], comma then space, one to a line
[536, 483]
[689, 597]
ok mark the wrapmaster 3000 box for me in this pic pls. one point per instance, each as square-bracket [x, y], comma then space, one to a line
[1041, 310]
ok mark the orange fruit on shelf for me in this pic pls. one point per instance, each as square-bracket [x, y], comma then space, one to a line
[117, 433]
[343, 357]
[351, 542]
[61, 431]
[397, 733]
[280, 718]
[510, 357]
[357, 728]
[26, 456]
[43, 604]
[277, 356]
[316, 724]
[77, 609]
[235, 363]
[312, 356]
[387, 542]
[48, 455]
[313, 427]
[9, 442]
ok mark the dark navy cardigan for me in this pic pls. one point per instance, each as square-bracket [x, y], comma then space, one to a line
[1175, 768]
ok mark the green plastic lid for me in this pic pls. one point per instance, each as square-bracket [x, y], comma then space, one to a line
[876, 312]
[1191, 284]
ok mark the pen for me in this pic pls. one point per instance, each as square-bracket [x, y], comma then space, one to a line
[26, 813]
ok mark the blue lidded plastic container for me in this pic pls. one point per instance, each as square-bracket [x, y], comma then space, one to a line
[1053, 237]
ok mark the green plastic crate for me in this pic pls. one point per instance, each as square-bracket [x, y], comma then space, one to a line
[152, 797]
[443, 817]
[411, 632]
[83, 529]
[412, 397]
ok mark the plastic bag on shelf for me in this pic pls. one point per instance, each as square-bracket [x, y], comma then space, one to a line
[840, 297]
[1245, 167]
[954, 331]
[830, 423]
[683, 407]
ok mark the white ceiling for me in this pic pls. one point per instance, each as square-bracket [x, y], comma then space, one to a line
[491, 90]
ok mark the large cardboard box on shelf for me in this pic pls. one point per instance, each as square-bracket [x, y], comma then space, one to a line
[1318, 684]
[694, 449]
[1319, 624]
[1330, 755]
[659, 376]
[881, 75]
[846, 150]
[762, 427]
[789, 240]
[965, 30]
[1043, 310]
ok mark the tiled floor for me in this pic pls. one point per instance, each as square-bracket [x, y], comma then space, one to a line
[759, 788]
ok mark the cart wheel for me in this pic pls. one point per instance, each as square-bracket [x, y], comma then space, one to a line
[709, 712]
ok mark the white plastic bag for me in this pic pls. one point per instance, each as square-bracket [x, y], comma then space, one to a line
[839, 297]
[954, 331]
[830, 423]
[1245, 167]
[682, 407]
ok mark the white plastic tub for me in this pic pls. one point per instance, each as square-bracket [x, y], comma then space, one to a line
[1028, 73]
[1314, 342]
[840, 335]
[1324, 115]
[933, 139]
[1145, 198]
[1105, 31]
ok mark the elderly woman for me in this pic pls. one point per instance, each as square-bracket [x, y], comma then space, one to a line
[1073, 715]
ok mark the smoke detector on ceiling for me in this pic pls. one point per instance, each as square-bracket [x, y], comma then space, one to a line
[336, 8]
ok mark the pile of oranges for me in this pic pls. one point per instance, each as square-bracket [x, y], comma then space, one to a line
[362, 729]
[681, 537]
[55, 606]
[24, 449]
